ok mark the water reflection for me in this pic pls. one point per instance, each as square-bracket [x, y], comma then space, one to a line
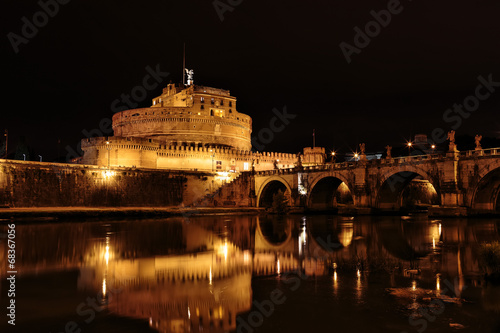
[197, 276]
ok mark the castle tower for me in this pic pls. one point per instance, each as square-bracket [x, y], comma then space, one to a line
[188, 116]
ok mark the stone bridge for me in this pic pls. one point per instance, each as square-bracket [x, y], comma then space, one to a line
[458, 182]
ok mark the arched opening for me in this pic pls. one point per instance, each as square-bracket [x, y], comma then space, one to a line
[268, 192]
[329, 193]
[406, 241]
[487, 194]
[331, 232]
[275, 229]
[407, 190]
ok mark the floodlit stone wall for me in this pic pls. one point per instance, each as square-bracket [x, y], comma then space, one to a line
[149, 153]
[34, 184]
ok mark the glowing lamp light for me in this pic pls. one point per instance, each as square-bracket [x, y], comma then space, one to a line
[104, 287]
[223, 176]
[414, 285]
[278, 267]
[108, 174]
[225, 251]
[106, 255]
[433, 146]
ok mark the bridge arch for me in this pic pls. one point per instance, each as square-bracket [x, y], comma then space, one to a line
[328, 191]
[270, 187]
[485, 196]
[263, 241]
[406, 186]
[406, 241]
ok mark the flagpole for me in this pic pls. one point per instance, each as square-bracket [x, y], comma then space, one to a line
[184, 65]
[6, 143]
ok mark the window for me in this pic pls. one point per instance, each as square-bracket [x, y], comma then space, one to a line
[202, 100]
[202, 107]
[230, 111]
[230, 103]
[212, 100]
[219, 165]
[221, 102]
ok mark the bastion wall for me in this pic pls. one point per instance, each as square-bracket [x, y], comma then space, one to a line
[35, 184]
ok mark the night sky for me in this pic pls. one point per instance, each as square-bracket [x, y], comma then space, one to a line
[269, 54]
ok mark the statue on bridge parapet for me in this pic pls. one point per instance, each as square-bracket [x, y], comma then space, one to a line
[451, 138]
[389, 149]
[478, 139]
[362, 154]
[299, 165]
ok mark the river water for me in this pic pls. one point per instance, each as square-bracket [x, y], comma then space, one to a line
[313, 273]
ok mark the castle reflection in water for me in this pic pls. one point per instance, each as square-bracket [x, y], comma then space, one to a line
[194, 275]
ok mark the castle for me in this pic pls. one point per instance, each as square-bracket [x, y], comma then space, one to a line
[188, 127]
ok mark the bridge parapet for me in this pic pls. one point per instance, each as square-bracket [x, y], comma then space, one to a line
[452, 180]
[480, 152]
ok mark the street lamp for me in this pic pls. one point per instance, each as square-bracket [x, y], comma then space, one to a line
[40, 157]
[24, 157]
[108, 147]
[409, 144]
[212, 155]
[6, 134]
[333, 156]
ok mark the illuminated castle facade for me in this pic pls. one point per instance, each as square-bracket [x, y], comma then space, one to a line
[187, 127]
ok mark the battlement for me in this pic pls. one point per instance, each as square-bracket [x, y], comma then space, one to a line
[151, 153]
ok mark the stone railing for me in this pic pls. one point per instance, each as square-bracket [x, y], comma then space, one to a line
[481, 152]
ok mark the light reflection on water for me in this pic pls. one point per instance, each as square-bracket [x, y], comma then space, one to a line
[206, 275]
